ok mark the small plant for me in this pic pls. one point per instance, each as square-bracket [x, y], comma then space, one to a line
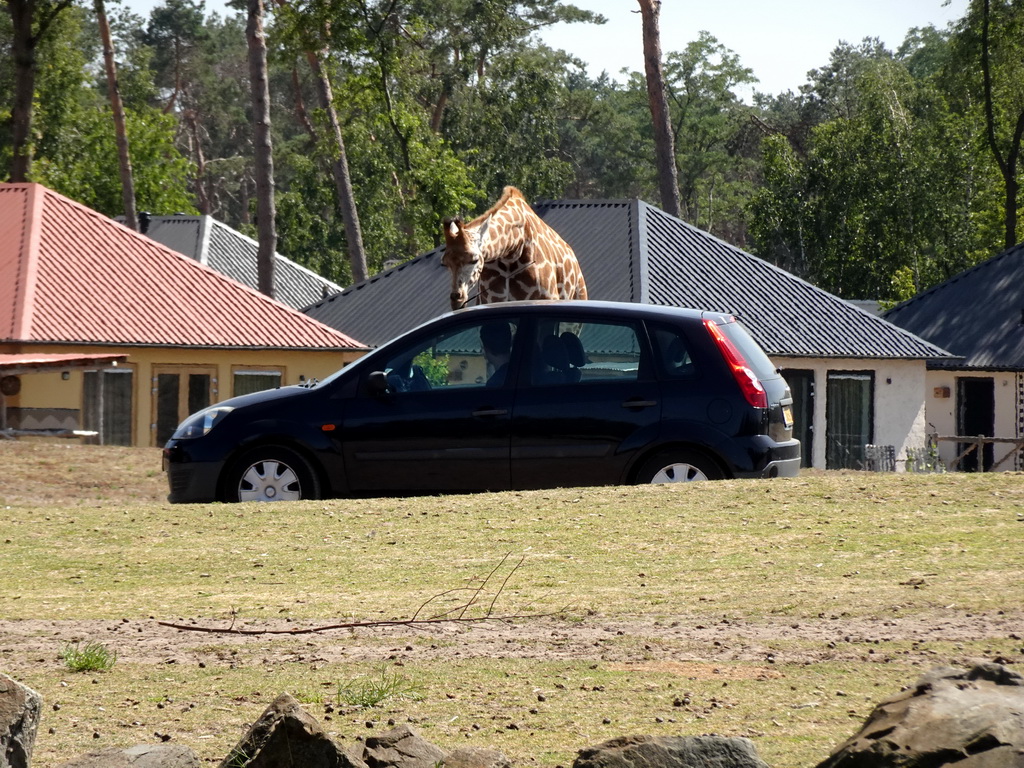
[90, 657]
[925, 459]
[373, 690]
[314, 697]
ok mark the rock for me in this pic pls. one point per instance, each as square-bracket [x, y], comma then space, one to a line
[671, 752]
[476, 757]
[139, 756]
[287, 735]
[401, 747]
[974, 718]
[20, 709]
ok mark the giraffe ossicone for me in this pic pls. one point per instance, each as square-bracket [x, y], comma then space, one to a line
[511, 254]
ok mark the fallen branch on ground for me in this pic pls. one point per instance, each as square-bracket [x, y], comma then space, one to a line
[454, 615]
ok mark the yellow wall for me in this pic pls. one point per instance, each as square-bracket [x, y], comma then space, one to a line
[51, 390]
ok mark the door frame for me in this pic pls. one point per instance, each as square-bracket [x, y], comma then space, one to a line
[969, 408]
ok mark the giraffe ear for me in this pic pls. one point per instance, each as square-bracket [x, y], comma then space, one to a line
[452, 229]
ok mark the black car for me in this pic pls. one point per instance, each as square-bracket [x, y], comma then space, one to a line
[505, 396]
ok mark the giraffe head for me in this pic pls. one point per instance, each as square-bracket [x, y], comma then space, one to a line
[463, 256]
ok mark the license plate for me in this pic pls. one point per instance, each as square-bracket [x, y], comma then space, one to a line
[787, 416]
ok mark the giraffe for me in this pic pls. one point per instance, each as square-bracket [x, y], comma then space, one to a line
[512, 254]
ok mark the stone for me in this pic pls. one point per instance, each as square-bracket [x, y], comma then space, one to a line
[401, 747]
[971, 717]
[476, 757]
[20, 710]
[139, 756]
[287, 735]
[671, 752]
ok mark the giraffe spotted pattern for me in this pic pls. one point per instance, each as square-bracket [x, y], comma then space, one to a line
[511, 254]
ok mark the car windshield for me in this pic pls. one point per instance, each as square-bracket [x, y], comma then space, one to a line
[346, 368]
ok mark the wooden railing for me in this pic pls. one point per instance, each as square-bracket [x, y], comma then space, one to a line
[977, 444]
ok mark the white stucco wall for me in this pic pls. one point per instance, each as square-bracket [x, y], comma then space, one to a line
[899, 404]
[1009, 410]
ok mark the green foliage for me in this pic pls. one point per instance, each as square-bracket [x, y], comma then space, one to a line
[508, 128]
[883, 201]
[434, 367]
[383, 686]
[709, 120]
[876, 179]
[82, 162]
[88, 657]
[778, 210]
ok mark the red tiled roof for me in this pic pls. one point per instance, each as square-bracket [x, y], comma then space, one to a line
[69, 274]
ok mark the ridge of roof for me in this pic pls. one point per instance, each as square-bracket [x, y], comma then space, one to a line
[21, 226]
[88, 279]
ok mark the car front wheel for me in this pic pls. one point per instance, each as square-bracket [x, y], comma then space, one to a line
[678, 467]
[272, 474]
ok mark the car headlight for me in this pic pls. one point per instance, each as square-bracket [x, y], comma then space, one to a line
[201, 422]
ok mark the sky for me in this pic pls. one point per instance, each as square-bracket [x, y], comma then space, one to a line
[779, 40]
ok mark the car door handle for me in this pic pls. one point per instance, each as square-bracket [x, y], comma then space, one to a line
[490, 412]
[639, 403]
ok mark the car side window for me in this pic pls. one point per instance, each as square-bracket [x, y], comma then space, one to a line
[475, 355]
[570, 353]
[672, 351]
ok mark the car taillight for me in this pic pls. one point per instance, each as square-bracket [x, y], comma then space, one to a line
[750, 385]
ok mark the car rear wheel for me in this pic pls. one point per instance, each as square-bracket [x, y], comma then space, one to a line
[272, 473]
[678, 467]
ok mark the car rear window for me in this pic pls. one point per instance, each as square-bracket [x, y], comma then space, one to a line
[758, 361]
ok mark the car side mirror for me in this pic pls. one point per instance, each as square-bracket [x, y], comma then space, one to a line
[377, 384]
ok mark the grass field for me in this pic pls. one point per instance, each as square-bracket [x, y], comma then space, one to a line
[777, 610]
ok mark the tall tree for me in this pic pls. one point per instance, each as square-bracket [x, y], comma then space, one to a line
[200, 66]
[664, 143]
[31, 20]
[1004, 46]
[120, 128]
[342, 176]
[710, 124]
[316, 55]
[263, 148]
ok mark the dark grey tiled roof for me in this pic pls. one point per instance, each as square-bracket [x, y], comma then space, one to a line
[978, 314]
[631, 251]
[233, 254]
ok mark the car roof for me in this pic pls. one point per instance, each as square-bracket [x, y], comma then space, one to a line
[610, 308]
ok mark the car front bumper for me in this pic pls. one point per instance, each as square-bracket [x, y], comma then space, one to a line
[190, 482]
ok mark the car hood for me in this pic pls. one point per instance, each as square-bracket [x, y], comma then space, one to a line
[266, 396]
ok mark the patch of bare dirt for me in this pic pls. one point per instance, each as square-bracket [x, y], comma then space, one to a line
[689, 647]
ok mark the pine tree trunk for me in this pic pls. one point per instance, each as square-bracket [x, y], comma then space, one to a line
[29, 25]
[123, 155]
[24, 55]
[664, 144]
[1007, 163]
[342, 178]
[262, 147]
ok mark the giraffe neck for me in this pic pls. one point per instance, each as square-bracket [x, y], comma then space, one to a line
[503, 234]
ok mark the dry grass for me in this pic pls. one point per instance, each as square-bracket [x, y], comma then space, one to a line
[776, 610]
